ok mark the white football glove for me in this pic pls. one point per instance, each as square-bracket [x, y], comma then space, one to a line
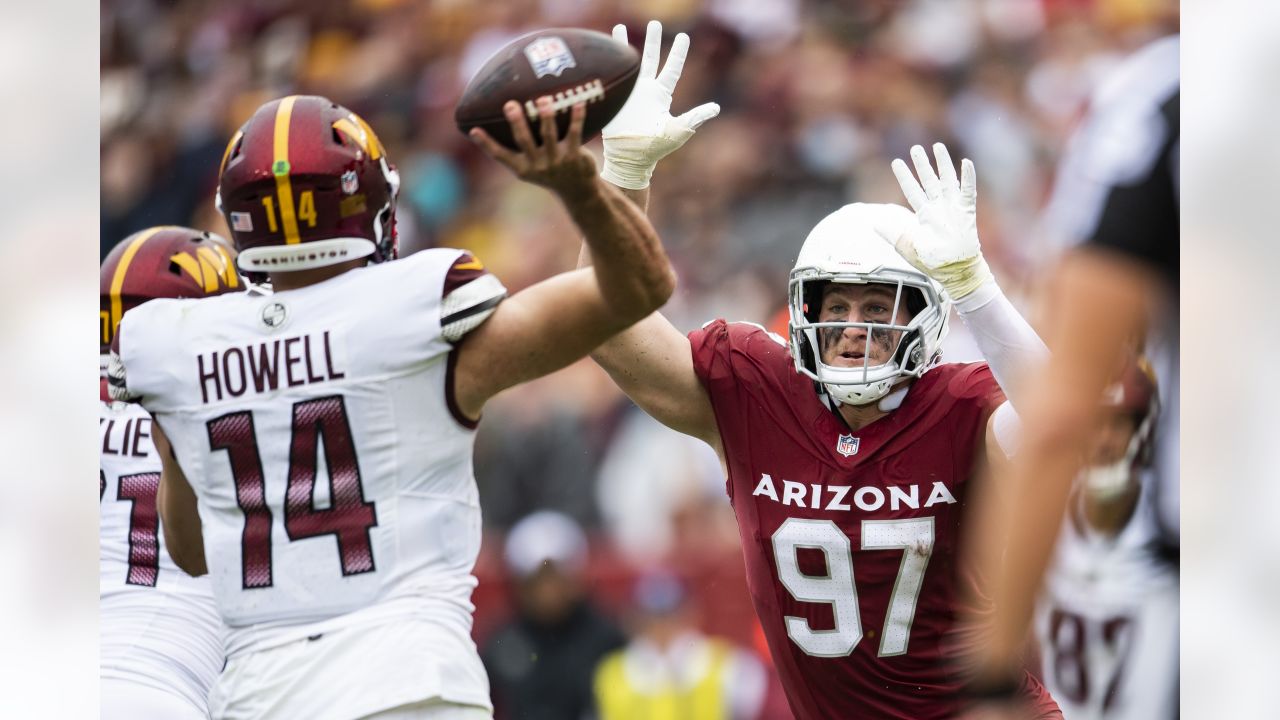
[943, 241]
[644, 132]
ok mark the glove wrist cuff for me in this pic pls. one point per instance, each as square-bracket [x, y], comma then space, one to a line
[984, 293]
[963, 280]
[631, 176]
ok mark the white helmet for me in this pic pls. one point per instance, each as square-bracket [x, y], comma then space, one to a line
[845, 248]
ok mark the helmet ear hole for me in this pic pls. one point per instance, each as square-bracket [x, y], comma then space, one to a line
[916, 302]
[235, 149]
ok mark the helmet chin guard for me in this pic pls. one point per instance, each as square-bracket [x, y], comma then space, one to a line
[844, 248]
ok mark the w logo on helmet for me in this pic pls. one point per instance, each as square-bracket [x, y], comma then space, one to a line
[211, 268]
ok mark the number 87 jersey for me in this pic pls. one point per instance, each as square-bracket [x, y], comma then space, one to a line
[317, 429]
[852, 538]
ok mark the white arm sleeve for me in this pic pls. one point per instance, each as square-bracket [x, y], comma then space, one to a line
[1007, 428]
[1012, 348]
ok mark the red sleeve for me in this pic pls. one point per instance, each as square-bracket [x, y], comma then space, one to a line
[738, 356]
[975, 382]
[710, 345]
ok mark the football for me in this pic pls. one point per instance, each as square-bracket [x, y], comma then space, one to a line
[571, 65]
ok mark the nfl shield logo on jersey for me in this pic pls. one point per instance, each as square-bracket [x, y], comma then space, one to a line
[847, 445]
[549, 56]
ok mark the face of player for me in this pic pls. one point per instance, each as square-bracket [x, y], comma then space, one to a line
[1112, 439]
[873, 303]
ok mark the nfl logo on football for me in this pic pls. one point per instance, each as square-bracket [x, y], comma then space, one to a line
[549, 56]
[847, 445]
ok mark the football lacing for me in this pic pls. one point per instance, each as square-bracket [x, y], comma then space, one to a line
[588, 92]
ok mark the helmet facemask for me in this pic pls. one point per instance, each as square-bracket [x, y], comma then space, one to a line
[912, 348]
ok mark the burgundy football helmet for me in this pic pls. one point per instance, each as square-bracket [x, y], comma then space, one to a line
[1134, 394]
[306, 183]
[163, 262]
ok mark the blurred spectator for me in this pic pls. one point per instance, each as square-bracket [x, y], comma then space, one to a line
[540, 664]
[670, 670]
[647, 478]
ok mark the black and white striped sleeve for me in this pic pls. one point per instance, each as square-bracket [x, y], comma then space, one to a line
[470, 296]
[117, 381]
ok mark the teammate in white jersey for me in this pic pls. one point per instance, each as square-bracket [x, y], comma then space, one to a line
[160, 635]
[1107, 622]
[327, 429]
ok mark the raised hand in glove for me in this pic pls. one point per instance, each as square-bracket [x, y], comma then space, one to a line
[644, 132]
[943, 241]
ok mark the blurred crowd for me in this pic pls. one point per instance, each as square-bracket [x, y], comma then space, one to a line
[817, 97]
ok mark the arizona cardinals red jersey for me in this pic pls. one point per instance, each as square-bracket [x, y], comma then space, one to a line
[851, 538]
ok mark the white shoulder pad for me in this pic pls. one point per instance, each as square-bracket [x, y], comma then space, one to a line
[464, 309]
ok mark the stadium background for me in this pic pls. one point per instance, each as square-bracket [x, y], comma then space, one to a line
[816, 98]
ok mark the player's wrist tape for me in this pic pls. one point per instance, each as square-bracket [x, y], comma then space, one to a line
[963, 278]
[629, 161]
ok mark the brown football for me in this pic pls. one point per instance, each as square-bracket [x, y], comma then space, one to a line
[571, 65]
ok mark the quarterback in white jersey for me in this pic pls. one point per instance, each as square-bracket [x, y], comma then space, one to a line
[160, 641]
[323, 433]
[1107, 622]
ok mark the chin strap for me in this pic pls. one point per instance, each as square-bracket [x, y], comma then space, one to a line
[894, 399]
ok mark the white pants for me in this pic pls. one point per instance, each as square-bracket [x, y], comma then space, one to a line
[356, 672]
[124, 700]
[433, 709]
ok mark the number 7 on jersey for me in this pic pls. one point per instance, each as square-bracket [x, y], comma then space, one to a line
[914, 537]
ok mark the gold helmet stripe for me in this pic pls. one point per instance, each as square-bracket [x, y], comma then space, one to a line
[280, 168]
[117, 280]
[227, 153]
[375, 145]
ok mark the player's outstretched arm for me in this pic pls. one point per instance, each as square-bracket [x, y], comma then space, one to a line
[943, 244]
[176, 502]
[553, 323]
[652, 361]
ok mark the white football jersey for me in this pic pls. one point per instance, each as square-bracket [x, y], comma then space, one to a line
[333, 471]
[1107, 622]
[159, 626]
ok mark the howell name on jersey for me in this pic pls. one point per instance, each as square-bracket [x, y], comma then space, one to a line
[283, 362]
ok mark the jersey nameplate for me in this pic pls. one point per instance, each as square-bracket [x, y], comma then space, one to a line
[266, 366]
